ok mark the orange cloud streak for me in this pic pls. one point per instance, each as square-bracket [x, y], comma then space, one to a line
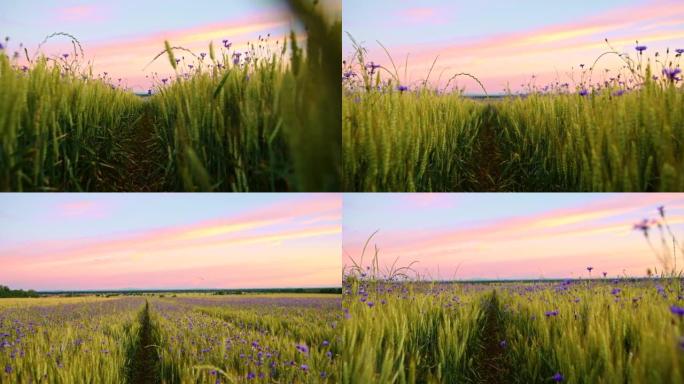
[541, 50]
[559, 233]
[188, 236]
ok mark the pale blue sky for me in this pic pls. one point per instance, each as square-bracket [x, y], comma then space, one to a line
[29, 21]
[387, 21]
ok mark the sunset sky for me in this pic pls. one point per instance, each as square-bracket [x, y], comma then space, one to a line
[119, 241]
[121, 37]
[507, 42]
[492, 236]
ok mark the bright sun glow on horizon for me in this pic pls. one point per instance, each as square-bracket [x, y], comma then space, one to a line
[510, 236]
[508, 43]
[124, 241]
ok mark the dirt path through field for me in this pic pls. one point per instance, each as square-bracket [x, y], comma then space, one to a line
[491, 366]
[145, 364]
[139, 168]
[488, 157]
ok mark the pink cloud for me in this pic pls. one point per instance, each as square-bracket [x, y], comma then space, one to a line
[418, 14]
[81, 13]
[81, 209]
[425, 14]
[431, 200]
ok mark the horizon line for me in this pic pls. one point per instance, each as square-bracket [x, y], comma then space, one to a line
[174, 289]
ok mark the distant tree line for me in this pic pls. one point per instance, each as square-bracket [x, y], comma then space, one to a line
[7, 292]
[278, 290]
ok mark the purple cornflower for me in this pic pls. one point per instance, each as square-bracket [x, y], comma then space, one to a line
[661, 211]
[581, 65]
[370, 304]
[177, 61]
[149, 92]
[583, 92]
[8, 368]
[557, 377]
[191, 66]
[615, 291]
[679, 51]
[203, 55]
[329, 354]
[402, 88]
[372, 66]
[326, 343]
[671, 73]
[641, 48]
[226, 44]
[643, 226]
[679, 311]
[302, 348]
[65, 55]
[164, 80]
[502, 344]
[348, 74]
[1, 47]
[24, 68]
[251, 376]
[604, 274]
[305, 367]
[619, 92]
[551, 313]
[323, 374]
[236, 58]
[589, 268]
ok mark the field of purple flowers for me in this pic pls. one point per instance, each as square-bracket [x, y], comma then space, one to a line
[401, 328]
[62, 340]
[186, 339]
[248, 339]
[609, 330]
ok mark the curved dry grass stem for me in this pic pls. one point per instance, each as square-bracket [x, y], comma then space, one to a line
[56, 34]
[396, 73]
[427, 79]
[169, 49]
[390, 273]
[468, 75]
[209, 367]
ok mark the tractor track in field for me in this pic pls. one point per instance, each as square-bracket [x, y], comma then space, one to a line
[488, 155]
[491, 365]
[145, 361]
[139, 167]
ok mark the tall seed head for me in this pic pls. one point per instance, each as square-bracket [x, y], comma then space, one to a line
[212, 56]
[169, 52]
